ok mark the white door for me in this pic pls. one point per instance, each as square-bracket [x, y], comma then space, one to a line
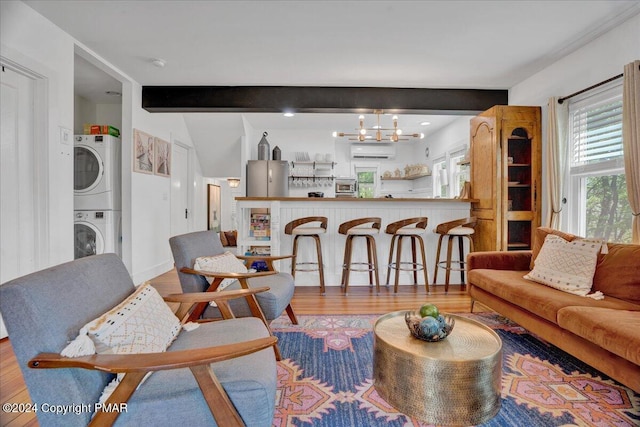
[17, 178]
[180, 211]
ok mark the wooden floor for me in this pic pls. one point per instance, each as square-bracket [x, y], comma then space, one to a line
[307, 300]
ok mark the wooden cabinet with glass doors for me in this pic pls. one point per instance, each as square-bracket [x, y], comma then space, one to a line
[506, 177]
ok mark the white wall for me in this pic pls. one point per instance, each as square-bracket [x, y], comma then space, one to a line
[151, 195]
[453, 137]
[109, 114]
[29, 39]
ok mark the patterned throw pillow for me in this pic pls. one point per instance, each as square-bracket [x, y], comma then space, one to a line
[142, 323]
[223, 263]
[566, 266]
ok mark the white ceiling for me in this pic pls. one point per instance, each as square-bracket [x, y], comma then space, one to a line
[424, 44]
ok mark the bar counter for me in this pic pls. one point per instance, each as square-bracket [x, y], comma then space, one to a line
[282, 210]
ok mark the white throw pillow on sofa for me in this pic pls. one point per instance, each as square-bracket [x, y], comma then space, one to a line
[566, 266]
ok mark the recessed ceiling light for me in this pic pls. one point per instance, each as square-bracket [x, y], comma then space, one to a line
[425, 123]
[288, 114]
[113, 93]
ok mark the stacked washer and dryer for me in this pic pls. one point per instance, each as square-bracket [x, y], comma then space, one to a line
[97, 195]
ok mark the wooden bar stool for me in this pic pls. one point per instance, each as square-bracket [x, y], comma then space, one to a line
[459, 228]
[361, 227]
[413, 228]
[295, 228]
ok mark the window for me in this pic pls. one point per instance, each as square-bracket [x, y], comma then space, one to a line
[598, 204]
[459, 172]
[366, 177]
[440, 180]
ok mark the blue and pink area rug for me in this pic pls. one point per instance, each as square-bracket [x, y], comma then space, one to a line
[325, 379]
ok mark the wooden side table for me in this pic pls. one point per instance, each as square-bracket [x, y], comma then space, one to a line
[456, 381]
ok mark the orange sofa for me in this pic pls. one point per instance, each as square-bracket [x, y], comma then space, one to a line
[603, 333]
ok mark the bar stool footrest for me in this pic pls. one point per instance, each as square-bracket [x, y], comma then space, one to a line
[371, 267]
[416, 266]
[443, 265]
[307, 269]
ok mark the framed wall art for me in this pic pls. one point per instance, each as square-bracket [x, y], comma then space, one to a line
[162, 157]
[213, 208]
[143, 152]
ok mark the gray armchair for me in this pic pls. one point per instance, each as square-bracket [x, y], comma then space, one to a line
[187, 247]
[223, 373]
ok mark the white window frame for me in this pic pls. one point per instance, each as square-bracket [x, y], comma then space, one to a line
[575, 214]
[437, 166]
[369, 167]
[456, 170]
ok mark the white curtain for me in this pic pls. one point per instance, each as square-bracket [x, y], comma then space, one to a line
[556, 160]
[631, 141]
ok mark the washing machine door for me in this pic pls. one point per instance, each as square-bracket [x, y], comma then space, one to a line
[88, 169]
[87, 240]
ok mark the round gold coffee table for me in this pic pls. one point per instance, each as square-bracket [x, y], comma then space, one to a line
[455, 381]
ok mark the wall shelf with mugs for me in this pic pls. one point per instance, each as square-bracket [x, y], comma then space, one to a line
[312, 173]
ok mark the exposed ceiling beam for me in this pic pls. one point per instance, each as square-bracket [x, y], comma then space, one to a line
[313, 99]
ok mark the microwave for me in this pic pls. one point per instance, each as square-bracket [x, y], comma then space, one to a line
[346, 187]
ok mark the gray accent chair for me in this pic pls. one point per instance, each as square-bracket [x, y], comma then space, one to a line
[187, 247]
[43, 311]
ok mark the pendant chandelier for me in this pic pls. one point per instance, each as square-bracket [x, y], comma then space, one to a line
[378, 133]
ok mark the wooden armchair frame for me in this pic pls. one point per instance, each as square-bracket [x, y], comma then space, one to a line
[136, 366]
[242, 279]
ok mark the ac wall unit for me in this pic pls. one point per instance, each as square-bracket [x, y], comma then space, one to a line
[373, 151]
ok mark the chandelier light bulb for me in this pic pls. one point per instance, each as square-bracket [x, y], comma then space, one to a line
[335, 134]
[363, 131]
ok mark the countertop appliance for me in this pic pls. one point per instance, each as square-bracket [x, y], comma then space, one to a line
[267, 178]
[346, 187]
[315, 194]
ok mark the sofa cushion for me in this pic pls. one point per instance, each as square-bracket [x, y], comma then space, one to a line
[566, 266]
[618, 272]
[614, 330]
[538, 241]
[535, 297]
